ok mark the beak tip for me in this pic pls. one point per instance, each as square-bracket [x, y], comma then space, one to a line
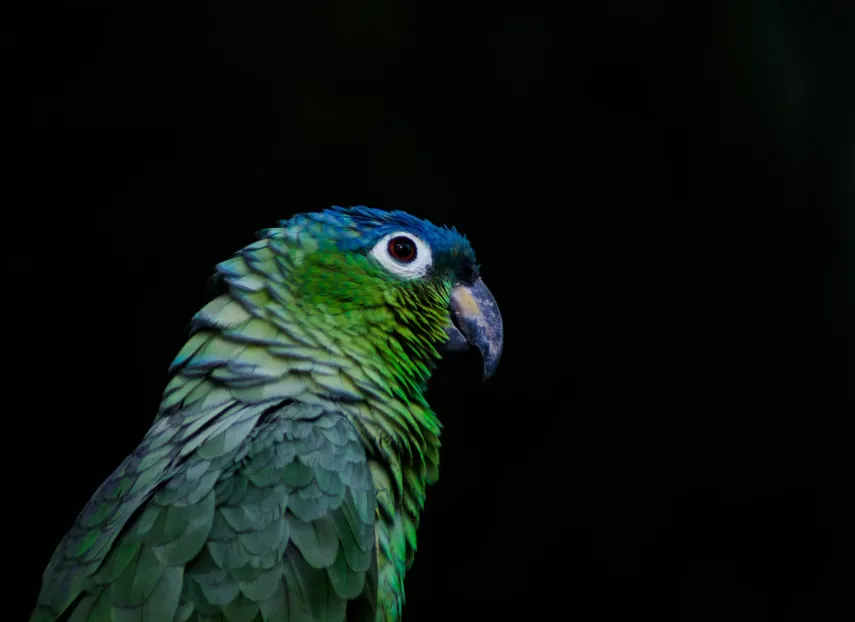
[491, 351]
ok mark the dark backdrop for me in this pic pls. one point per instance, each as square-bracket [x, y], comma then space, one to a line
[658, 195]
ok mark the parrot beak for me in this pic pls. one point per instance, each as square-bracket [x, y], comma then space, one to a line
[475, 321]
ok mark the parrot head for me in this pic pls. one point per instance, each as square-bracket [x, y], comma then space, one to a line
[378, 273]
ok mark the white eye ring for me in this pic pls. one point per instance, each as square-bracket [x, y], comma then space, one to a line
[413, 269]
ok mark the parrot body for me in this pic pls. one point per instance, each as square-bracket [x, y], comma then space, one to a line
[284, 475]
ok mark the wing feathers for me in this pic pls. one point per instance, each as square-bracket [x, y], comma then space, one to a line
[268, 519]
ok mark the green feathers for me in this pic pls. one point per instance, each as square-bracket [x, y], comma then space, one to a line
[284, 475]
[294, 498]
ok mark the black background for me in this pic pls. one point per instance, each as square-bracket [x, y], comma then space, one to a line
[658, 195]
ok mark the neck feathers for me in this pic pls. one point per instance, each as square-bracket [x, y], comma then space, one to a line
[266, 340]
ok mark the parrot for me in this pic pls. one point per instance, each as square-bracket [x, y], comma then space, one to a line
[284, 475]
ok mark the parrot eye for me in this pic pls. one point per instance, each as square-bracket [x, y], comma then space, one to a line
[403, 254]
[402, 248]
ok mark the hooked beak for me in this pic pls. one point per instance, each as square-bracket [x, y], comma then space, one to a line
[475, 321]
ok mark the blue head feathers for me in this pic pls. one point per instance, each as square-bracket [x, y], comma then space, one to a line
[359, 228]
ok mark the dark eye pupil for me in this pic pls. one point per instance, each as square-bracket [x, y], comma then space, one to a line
[402, 249]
